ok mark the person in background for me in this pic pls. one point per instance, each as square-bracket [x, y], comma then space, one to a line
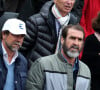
[90, 10]
[9, 9]
[13, 5]
[13, 65]
[44, 28]
[30, 7]
[91, 53]
[62, 71]
[33, 6]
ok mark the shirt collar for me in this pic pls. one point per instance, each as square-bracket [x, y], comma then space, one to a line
[76, 65]
[3, 49]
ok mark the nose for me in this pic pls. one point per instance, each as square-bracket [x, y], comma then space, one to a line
[76, 42]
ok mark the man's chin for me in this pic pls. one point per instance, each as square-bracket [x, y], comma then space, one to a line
[72, 54]
[14, 49]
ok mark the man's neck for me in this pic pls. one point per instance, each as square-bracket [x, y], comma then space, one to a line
[69, 60]
[10, 56]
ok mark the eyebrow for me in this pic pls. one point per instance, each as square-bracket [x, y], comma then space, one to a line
[79, 38]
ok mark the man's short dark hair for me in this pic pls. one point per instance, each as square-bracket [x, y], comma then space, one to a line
[76, 27]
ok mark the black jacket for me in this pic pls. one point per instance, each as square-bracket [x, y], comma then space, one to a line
[91, 56]
[20, 72]
[77, 10]
[41, 29]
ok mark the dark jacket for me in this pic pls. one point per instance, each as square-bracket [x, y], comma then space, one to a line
[20, 71]
[41, 29]
[91, 56]
[77, 10]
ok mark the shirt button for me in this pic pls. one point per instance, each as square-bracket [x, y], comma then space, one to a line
[15, 82]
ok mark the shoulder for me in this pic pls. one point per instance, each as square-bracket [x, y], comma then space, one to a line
[47, 59]
[36, 19]
[73, 19]
[43, 14]
[90, 39]
[45, 62]
[84, 69]
[22, 58]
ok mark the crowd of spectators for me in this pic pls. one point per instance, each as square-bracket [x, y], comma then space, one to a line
[45, 20]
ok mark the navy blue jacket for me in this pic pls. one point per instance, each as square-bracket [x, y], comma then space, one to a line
[20, 71]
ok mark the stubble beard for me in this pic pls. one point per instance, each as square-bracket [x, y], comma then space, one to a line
[13, 49]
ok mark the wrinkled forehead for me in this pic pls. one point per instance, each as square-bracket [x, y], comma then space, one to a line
[75, 33]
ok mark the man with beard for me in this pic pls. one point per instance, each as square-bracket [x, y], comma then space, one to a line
[13, 65]
[62, 71]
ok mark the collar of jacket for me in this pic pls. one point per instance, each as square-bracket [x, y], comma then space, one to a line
[46, 9]
[63, 59]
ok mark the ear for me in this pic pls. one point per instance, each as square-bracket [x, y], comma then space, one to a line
[62, 40]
